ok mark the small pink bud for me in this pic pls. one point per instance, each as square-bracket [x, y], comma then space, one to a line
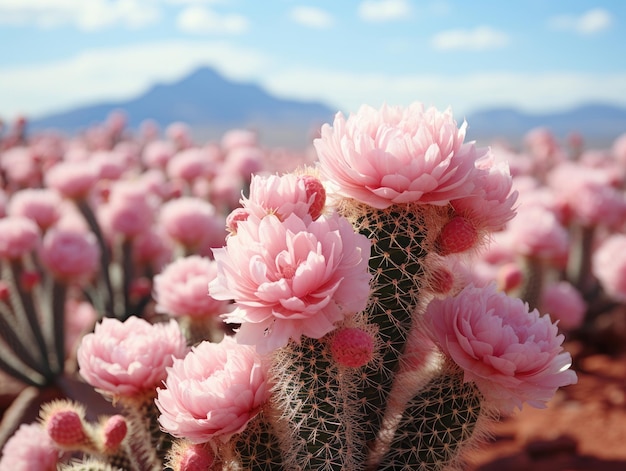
[194, 457]
[510, 276]
[29, 279]
[5, 292]
[315, 189]
[114, 431]
[140, 287]
[352, 347]
[458, 235]
[65, 427]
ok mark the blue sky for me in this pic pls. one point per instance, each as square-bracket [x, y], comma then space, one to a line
[535, 55]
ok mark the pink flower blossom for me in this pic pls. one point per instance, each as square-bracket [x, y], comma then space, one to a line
[513, 356]
[20, 167]
[28, 449]
[42, 205]
[73, 179]
[284, 195]
[536, 232]
[129, 359]
[71, 255]
[609, 266]
[193, 223]
[490, 206]
[181, 289]
[213, 392]
[398, 155]
[153, 249]
[129, 212]
[564, 303]
[18, 236]
[292, 278]
[190, 164]
[157, 154]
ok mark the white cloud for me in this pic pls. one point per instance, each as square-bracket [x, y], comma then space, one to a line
[384, 10]
[312, 17]
[122, 73]
[591, 22]
[116, 74]
[87, 15]
[477, 39]
[464, 93]
[198, 19]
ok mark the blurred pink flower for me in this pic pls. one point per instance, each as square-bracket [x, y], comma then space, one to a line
[70, 255]
[73, 179]
[156, 154]
[190, 164]
[513, 356]
[181, 289]
[80, 317]
[536, 232]
[30, 448]
[213, 392]
[564, 303]
[193, 223]
[18, 236]
[42, 205]
[609, 266]
[153, 249]
[398, 155]
[20, 167]
[130, 210]
[490, 206]
[292, 278]
[129, 359]
[236, 138]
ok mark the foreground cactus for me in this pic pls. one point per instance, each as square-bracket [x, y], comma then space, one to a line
[355, 347]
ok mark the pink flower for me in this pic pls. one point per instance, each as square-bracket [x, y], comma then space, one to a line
[190, 164]
[153, 249]
[73, 179]
[181, 288]
[490, 206]
[129, 359]
[156, 154]
[42, 205]
[130, 210]
[30, 448]
[609, 266]
[513, 356]
[284, 195]
[397, 155]
[193, 223]
[71, 255]
[213, 392]
[21, 167]
[18, 236]
[564, 303]
[292, 278]
[536, 232]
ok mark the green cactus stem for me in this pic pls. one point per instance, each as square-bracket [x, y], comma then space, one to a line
[257, 447]
[445, 418]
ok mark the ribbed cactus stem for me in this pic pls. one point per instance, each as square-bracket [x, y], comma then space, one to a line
[147, 445]
[533, 269]
[445, 418]
[402, 236]
[318, 428]
[257, 448]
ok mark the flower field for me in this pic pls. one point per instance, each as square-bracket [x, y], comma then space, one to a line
[392, 297]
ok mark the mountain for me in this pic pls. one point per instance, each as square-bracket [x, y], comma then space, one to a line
[597, 123]
[207, 102]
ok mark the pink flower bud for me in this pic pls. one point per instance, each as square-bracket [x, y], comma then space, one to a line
[441, 280]
[316, 193]
[114, 431]
[352, 347]
[5, 292]
[458, 235]
[29, 279]
[196, 458]
[65, 427]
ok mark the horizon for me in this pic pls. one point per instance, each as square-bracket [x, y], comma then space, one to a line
[530, 56]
